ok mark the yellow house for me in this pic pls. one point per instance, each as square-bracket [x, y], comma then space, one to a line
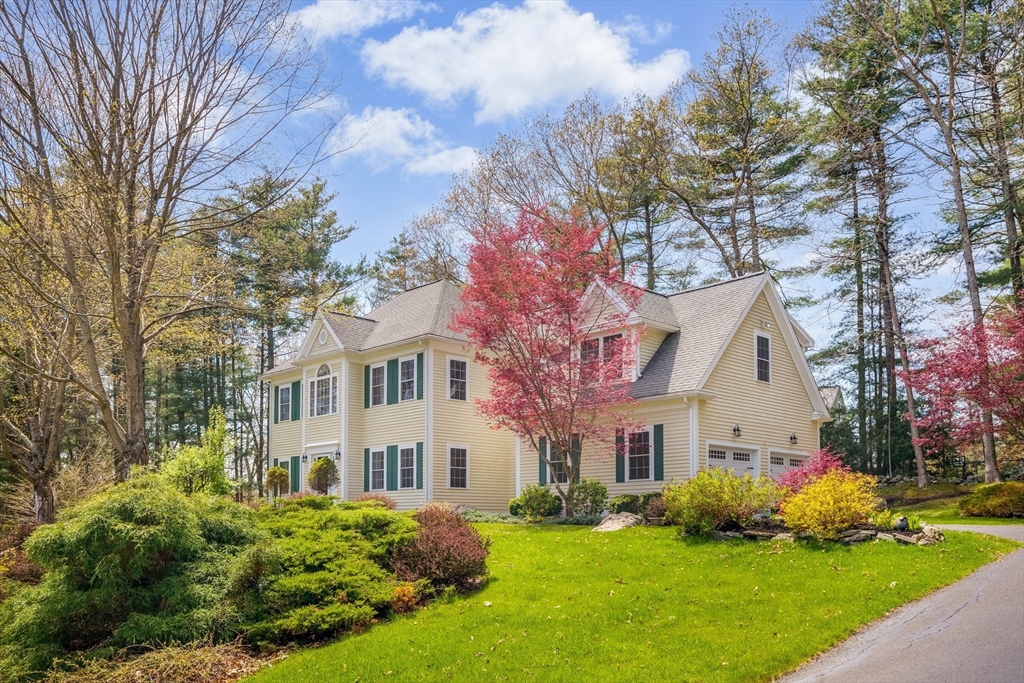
[720, 379]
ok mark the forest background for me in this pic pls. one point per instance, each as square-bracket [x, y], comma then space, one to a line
[144, 289]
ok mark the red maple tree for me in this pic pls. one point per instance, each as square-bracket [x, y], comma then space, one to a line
[526, 317]
[974, 369]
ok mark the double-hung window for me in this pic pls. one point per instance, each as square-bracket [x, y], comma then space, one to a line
[600, 349]
[590, 351]
[557, 466]
[764, 358]
[458, 467]
[377, 461]
[323, 392]
[406, 467]
[284, 406]
[407, 379]
[377, 377]
[639, 456]
[458, 379]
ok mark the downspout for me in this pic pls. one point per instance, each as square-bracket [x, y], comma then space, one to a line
[694, 434]
[428, 418]
[343, 443]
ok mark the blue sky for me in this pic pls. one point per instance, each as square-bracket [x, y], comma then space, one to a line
[425, 84]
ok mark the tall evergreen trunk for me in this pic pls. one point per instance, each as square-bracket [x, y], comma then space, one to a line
[880, 176]
[862, 407]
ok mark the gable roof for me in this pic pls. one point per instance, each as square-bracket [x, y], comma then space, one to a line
[705, 318]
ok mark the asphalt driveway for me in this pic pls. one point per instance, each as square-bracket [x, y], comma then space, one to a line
[969, 632]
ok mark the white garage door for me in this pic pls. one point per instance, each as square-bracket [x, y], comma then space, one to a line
[739, 461]
[783, 462]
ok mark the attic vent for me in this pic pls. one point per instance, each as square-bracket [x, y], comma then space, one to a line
[323, 336]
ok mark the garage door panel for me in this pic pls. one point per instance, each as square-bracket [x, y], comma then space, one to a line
[783, 462]
[739, 461]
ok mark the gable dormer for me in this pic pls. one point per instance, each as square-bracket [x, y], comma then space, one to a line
[320, 339]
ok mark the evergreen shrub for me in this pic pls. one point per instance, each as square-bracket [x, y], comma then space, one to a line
[536, 502]
[994, 500]
[627, 502]
[588, 497]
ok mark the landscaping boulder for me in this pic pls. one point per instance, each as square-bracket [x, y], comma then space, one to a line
[619, 520]
[784, 537]
[933, 532]
[885, 537]
[858, 536]
[759, 535]
[909, 539]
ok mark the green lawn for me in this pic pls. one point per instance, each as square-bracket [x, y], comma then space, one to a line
[944, 511]
[642, 604]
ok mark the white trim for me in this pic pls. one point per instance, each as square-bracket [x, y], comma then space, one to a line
[412, 447]
[346, 368]
[302, 412]
[332, 394]
[448, 468]
[519, 466]
[788, 451]
[384, 396]
[307, 343]
[768, 336]
[448, 373]
[694, 437]
[384, 450]
[322, 444]
[415, 379]
[428, 410]
[756, 460]
[650, 456]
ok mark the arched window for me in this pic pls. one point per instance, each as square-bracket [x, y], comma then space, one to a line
[323, 392]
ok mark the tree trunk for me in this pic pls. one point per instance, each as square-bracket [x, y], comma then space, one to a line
[862, 408]
[42, 489]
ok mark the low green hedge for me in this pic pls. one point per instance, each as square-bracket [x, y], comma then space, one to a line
[995, 500]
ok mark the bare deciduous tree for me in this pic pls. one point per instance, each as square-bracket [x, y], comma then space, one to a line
[121, 120]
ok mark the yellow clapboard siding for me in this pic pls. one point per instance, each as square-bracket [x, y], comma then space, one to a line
[649, 343]
[317, 349]
[459, 423]
[767, 413]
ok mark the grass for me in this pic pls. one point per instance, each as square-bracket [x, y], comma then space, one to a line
[944, 511]
[567, 604]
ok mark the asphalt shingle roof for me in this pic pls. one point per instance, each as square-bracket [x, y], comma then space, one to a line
[418, 312]
[705, 317]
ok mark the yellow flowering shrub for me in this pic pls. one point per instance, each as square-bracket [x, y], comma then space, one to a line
[830, 505]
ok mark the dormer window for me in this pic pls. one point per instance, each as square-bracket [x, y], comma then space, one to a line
[601, 349]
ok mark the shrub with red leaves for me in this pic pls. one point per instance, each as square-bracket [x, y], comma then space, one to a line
[386, 501]
[447, 550]
[819, 464]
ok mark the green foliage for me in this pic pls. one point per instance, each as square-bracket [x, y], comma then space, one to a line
[143, 564]
[645, 500]
[627, 502]
[588, 497]
[831, 504]
[995, 500]
[885, 519]
[323, 474]
[192, 469]
[277, 481]
[537, 567]
[717, 498]
[476, 516]
[535, 502]
[384, 499]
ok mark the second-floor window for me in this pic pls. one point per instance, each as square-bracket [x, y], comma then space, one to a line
[377, 376]
[458, 379]
[764, 358]
[407, 379]
[601, 349]
[407, 467]
[323, 392]
[284, 405]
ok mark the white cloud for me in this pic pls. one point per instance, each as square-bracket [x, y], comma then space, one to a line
[333, 18]
[513, 60]
[386, 138]
[634, 28]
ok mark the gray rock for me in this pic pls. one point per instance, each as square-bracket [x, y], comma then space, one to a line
[885, 537]
[733, 534]
[905, 538]
[619, 520]
[759, 535]
[927, 541]
[784, 537]
[859, 537]
[932, 532]
[717, 535]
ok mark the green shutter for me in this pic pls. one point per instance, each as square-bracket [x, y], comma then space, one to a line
[575, 455]
[659, 452]
[392, 380]
[275, 462]
[419, 376]
[366, 469]
[366, 387]
[392, 468]
[277, 403]
[543, 475]
[296, 400]
[296, 474]
[620, 456]
[419, 463]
